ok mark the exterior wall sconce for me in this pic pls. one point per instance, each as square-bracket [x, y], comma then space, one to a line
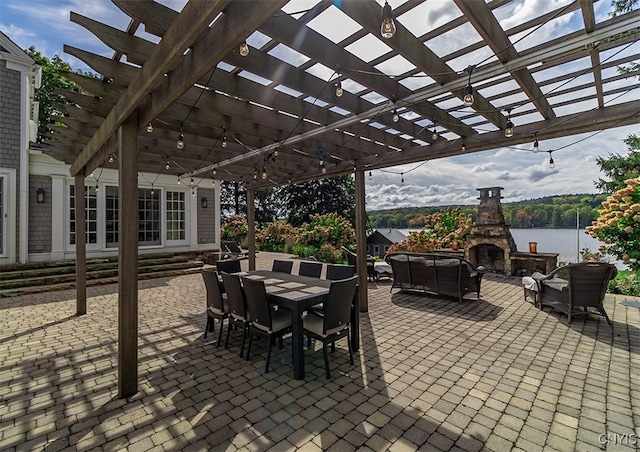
[40, 195]
[204, 203]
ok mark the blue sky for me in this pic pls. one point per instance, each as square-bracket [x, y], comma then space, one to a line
[523, 174]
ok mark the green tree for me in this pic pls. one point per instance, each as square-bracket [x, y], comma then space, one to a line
[332, 195]
[45, 95]
[619, 168]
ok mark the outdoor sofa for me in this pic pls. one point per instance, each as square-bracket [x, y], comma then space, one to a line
[435, 273]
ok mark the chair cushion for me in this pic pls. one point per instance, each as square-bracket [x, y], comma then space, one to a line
[280, 320]
[315, 324]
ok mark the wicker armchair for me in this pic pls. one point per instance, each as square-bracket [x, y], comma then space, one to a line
[574, 288]
[352, 259]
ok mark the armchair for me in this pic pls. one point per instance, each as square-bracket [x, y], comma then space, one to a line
[351, 260]
[584, 287]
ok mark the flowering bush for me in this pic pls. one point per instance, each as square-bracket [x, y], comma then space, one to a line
[328, 228]
[273, 236]
[234, 228]
[323, 236]
[618, 224]
[626, 283]
[440, 230]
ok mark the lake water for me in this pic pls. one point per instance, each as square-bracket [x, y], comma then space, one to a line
[565, 242]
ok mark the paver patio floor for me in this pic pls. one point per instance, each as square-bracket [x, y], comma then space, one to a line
[431, 374]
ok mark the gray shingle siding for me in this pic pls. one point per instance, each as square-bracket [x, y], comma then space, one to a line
[40, 216]
[206, 217]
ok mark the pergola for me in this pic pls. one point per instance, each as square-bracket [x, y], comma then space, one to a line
[322, 93]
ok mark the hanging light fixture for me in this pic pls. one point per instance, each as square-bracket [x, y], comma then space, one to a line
[536, 146]
[264, 172]
[152, 190]
[434, 134]
[166, 164]
[339, 90]
[214, 172]
[402, 179]
[388, 26]
[468, 92]
[463, 148]
[255, 174]
[552, 164]
[180, 142]
[370, 175]
[179, 180]
[323, 168]
[508, 132]
[244, 49]
[111, 158]
[149, 128]
[224, 137]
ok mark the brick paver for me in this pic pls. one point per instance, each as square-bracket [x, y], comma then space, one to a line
[493, 374]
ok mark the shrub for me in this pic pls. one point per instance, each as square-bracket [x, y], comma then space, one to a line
[439, 231]
[323, 236]
[618, 224]
[234, 228]
[274, 235]
[626, 283]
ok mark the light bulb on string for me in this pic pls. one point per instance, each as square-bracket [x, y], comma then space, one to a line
[180, 142]
[370, 175]
[402, 179]
[323, 169]
[149, 128]
[224, 138]
[152, 190]
[463, 148]
[395, 117]
[179, 180]
[193, 193]
[244, 49]
[552, 164]
[167, 165]
[264, 172]
[508, 131]
[214, 171]
[111, 158]
[339, 90]
[434, 134]
[388, 26]
[536, 145]
[255, 174]
[468, 91]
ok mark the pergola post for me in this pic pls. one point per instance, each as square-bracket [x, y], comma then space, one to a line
[361, 258]
[81, 245]
[128, 258]
[251, 223]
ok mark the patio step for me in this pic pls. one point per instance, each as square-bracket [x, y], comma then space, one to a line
[20, 279]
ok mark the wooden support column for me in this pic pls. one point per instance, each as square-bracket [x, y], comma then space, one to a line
[128, 258]
[362, 297]
[81, 245]
[251, 223]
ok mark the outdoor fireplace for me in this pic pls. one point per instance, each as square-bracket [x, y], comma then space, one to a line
[490, 242]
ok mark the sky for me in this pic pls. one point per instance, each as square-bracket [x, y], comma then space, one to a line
[523, 174]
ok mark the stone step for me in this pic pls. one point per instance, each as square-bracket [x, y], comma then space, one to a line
[99, 271]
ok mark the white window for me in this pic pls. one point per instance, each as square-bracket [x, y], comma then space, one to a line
[91, 223]
[176, 216]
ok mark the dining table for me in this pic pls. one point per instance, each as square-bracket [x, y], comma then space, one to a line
[299, 293]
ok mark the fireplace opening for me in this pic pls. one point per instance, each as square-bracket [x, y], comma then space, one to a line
[488, 255]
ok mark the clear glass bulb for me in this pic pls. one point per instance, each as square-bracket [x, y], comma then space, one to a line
[434, 135]
[508, 132]
[339, 90]
[224, 141]
[536, 146]
[396, 116]
[244, 49]
[180, 142]
[149, 128]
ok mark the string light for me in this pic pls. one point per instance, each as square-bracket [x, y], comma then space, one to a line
[370, 175]
[402, 179]
[388, 26]
[463, 148]
[244, 49]
[536, 146]
[224, 137]
[180, 142]
[111, 158]
[323, 168]
[468, 92]
[552, 164]
[152, 191]
[179, 180]
[395, 117]
[339, 90]
[149, 128]
[508, 132]
[214, 169]
[434, 134]
[166, 164]
[264, 172]
[255, 174]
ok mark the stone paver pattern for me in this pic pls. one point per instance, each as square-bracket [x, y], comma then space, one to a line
[493, 374]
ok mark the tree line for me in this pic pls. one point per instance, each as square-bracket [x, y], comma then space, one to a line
[557, 212]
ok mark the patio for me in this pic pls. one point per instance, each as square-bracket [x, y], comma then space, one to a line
[495, 374]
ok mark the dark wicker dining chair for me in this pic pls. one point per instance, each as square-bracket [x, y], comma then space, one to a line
[238, 313]
[336, 271]
[312, 269]
[334, 322]
[282, 266]
[265, 321]
[229, 266]
[217, 309]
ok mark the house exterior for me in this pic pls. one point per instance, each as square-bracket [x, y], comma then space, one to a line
[380, 240]
[37, 192]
